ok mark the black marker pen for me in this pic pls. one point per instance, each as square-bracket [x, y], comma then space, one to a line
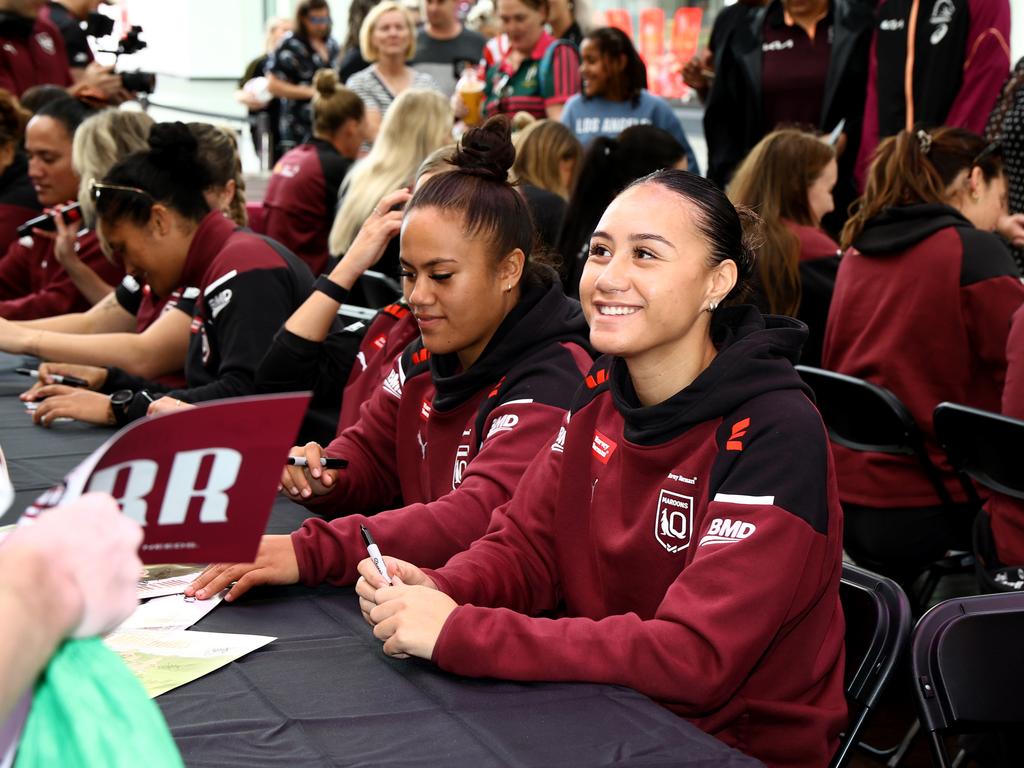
[71, 381]
[375, 555]
[325, 462]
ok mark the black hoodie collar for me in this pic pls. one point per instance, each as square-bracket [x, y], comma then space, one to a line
[756, 354]
[544, 315]
[897, 229]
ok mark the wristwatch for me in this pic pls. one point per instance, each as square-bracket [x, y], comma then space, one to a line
[120, 402]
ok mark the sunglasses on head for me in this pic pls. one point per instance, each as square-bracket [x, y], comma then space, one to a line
[97, 188]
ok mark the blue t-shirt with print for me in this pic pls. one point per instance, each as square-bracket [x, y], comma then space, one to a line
[589, 118]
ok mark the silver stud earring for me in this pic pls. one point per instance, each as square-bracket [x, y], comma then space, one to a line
[712, 306]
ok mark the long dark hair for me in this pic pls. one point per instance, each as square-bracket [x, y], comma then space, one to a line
[774, 180]
[613, 43]
[169, 172]
[608, 166]
[302, 11]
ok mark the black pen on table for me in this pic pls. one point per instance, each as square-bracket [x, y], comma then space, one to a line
[58, 378]
[374, 552]
[325, 461]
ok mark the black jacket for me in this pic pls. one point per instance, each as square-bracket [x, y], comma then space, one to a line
[733, 121]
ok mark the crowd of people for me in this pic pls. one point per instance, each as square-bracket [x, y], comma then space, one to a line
[576, 406]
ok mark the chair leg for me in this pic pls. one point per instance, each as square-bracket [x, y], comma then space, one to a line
[939, 750]
[903, 748]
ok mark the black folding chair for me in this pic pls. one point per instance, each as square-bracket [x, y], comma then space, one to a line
[863, 416]
[968, 666]
[375, 289]
[989, 448]
[878, 623]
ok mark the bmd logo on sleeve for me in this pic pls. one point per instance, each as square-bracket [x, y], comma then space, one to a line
[725, 531]
[673, 520]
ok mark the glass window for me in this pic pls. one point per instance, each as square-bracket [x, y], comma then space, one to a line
[667, 33]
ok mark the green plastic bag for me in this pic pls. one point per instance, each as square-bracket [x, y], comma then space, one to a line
[89, 710]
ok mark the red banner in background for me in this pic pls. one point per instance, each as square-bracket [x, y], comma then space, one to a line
[620, 19]
[664, 65]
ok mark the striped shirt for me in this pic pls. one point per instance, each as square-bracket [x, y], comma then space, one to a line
[509, 91]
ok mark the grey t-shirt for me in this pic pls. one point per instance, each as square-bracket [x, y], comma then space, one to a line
[437, 57]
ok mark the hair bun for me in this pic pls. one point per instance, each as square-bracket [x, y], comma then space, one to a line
[173, 146]
[487, 151]
[325, 81]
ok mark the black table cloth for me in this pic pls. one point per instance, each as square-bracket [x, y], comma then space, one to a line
[324, 694]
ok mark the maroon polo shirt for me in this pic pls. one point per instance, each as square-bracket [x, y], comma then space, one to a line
[793, 70]
[36, 59]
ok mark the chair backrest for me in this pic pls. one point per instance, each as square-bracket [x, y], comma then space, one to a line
[878, 619]
[866, 417]
[987, 446]
[860, 415]
[375, 289]
[968, 665]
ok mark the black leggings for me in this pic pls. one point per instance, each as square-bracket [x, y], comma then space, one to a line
[901, 542]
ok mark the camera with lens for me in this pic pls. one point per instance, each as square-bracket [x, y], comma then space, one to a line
[137, 81]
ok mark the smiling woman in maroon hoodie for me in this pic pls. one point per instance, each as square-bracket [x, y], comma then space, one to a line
[682, 532]
[464, 409]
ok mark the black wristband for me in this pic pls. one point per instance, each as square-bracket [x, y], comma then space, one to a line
[333, 291]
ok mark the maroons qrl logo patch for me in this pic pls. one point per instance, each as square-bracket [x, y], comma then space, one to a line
[673, 520]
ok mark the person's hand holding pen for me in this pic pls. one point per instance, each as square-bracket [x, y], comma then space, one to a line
[407, 615]
[60, 378]
[301, 481]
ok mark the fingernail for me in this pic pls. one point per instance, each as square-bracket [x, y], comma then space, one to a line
[294, 491]
[201, 594]
[305, 492]
[228, 597]
[315, 472]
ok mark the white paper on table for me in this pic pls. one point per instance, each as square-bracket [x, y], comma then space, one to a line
[163, 660]
[170, 612]
[170, 585]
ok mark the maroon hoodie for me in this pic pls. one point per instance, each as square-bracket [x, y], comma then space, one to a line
[690, 550]
[451, 444]
[298, 206]
[1007, 514]
[922, 307]
[33, 284]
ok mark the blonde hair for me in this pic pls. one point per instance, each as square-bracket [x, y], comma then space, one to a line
[271, 27]
[333, 104]
[540, 149]
[366, 47]
[416, 123]
[99, 142]
[218, 151]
